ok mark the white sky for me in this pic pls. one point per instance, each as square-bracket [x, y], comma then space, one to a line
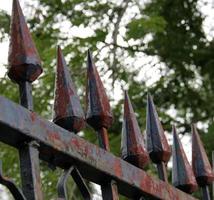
[207, 10]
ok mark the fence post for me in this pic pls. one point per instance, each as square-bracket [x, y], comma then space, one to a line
[99, 116]
[24, 68]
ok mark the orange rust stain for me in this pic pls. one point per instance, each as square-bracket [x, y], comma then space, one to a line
[117, 168]
[33, 116]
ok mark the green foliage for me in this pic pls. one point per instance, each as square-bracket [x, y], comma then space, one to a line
[168, 32]
[138, 28]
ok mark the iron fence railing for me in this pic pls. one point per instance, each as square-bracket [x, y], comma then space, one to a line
[56, 143]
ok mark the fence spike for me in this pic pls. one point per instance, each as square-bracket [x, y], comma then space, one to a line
[182, 174]
[99, 116]
[132, 145]
[98, 113]
[201, 165]
[68, 112]
[157, 145]
[24, 61]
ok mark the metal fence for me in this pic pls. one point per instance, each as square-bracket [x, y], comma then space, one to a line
[57, 143]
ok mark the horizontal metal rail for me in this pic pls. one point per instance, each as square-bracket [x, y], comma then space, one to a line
[64, 149]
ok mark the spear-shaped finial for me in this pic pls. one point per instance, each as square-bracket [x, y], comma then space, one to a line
[200, 163]
[98, 112]
[157, 145]
[24, 61]
[182, 174]
[68, 112]
[132, 145]
[99, 116]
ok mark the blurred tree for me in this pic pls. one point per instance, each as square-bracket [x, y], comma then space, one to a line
[156, 45]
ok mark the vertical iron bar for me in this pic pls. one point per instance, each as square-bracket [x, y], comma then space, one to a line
[28, 153]
[205, 193]
[162, 173]
[109, 190]
[26, 98]
[103, 139]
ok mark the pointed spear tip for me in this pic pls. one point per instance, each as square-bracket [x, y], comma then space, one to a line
[89, 59]
[24, 61]
[98, 110]
[200, 162]
[182, 174]
[132, 144]
[68, 112]
[157, 144]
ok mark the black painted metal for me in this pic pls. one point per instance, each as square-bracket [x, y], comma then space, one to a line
[36, 138]
[28, 153]
[15, 191]
[206, 193]
[62, 188]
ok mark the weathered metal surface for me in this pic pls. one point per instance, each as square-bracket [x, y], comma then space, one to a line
[182, 174]
[30, 172]
[103, 139]
[62, 148]
[98, 111]
[11, 186]
[25, 91]
[100, 117]
[132, 144]
[206, 193]
[110, 191]
[157, 145]
[62, 187]
[68, 112]
[200, 163]
[24, 61]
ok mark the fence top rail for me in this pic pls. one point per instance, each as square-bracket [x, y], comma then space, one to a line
[62, 148]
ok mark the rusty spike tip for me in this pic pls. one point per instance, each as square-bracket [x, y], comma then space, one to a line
[200, 162]
[132, 145]
[24, 61]
[157, 145]
[98, 111]
[68, 112]
[182, 174]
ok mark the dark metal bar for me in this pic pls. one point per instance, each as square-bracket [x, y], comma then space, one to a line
[162, 173]
[62, 149]
[99, 116]
[26, 98]
[62, 189]
[205, 193]
[28, 153]
[110, 191]
[15, 191]
[102, 135]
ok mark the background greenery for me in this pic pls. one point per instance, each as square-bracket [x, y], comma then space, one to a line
[158, 46]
